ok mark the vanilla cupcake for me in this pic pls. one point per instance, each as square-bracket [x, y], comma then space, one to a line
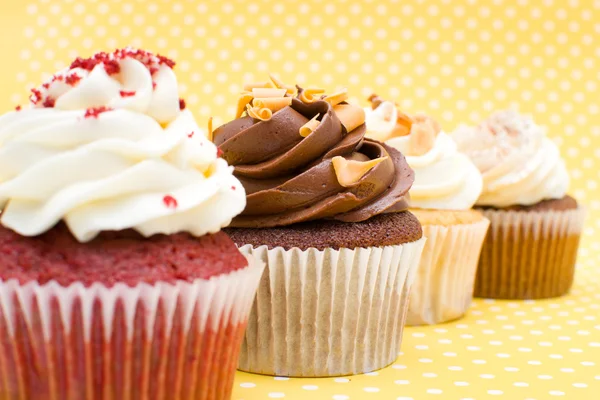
[531, 249]
[446, 186]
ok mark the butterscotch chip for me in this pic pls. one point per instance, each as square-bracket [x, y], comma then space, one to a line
[263, 114]
[337, 98]
[244, 100]
[350, 116]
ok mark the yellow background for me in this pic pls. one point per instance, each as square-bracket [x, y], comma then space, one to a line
[457, 60]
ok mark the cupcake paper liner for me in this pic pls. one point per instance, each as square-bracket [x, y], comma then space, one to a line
[175, 341]
[529, 255]
[443, 287]
[328, 313]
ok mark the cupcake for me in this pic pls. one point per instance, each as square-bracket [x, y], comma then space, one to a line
[326, 211]
[116, 280]
[531, 249]
[446, 186]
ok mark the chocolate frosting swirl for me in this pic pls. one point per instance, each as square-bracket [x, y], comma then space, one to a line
[289, 178]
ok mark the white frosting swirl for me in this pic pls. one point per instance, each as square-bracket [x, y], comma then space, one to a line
[444, 178]
[520, 165]
[144, 165]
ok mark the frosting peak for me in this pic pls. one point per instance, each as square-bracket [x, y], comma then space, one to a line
[444, 178]
[520, 165]
[112, 151]
[288, 163]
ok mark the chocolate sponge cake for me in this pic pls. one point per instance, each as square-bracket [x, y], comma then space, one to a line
[327, 211]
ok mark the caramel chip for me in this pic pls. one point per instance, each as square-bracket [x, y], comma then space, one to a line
[260, 93]
[263, 114]
[337, 98]
[272, 103]
[350, 116]
[310, 95]
[349, 172]
[243, 101]
[249, 86]
[310, 126]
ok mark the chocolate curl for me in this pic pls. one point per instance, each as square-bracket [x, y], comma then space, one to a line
[263, 114]
[210, 129]
[349, 172]
[350, 116]
[272, 103]
[290, 90]
[310, 95]
[337, 98]
[310, 126]
[421, 139]
[243, 101]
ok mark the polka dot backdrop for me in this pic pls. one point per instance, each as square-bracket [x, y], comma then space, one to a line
[457, 60]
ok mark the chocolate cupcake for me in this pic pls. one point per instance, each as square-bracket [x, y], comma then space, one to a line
[115, 279]
[531, 248]
[447, 184]
[326, 210]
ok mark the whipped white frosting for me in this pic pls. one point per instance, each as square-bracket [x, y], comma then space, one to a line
[444, 178]
[520, 165]
[136, 162]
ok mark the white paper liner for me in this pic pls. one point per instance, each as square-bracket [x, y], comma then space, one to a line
[180, 340]
[328, 313]
[443, 287]
[529, 255]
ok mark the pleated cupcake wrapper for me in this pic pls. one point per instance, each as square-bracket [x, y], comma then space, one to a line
[443, 287]
[175, 341]
[328, 313]
[529, 255]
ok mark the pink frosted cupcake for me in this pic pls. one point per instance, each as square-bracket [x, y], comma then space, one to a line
[115, 280]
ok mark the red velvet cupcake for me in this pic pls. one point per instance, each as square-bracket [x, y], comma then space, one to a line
[115, 280]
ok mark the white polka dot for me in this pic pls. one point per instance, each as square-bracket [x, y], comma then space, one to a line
[281, 378]
[276, 395]
[247, 385]
[556, 393]
[461, 383]
[341, 380]
[487, 376]
[521, 384]
[495, 392]
[402, 382]
[372, 389]
[435, 391]
[310, 387]
[340, 397]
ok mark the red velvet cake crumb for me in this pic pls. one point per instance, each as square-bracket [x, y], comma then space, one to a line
[124, 93]
[72, 79]
[112, 257]
[181, 104]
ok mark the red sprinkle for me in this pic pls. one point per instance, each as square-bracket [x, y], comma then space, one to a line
[233, 188]
[72, 79]
[46, 85]
[110, 64]
[95, 111]
[36, 96]
[191, 134]
[170, 201]
[49, 102]
[181, 104]
[18, 108]
[153, 85]
[219, 152]
[124, 93]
